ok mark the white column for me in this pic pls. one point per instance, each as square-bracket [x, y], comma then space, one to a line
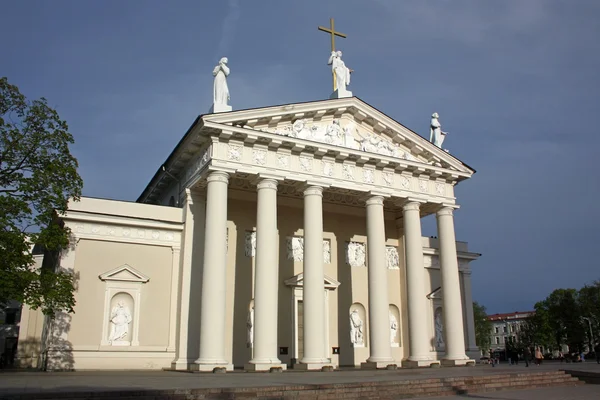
[471, 343]
[415, 286]
[188, 324]
[175, 270]
[314, 279]
[379, 320]
[453, 316]
[214, 276]
[266, 280]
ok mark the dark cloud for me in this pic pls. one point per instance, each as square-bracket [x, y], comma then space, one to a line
[515, 82]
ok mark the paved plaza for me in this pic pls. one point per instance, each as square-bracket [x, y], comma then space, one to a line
[31, 382]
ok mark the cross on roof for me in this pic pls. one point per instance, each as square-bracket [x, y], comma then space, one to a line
[333, 33]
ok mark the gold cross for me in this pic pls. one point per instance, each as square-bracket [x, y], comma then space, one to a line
[333, 33]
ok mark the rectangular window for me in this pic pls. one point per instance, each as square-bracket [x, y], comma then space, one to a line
[497, 340]
[496, 329]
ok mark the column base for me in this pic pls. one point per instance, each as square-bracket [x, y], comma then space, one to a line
[313, 366]
[263, 367]
[210, 367]
[420, 364]
[457, 363]
[182, 365]
[377, 364]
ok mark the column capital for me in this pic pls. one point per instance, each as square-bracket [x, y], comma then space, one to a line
[411, 205]
[218, 176]
[466, 272]
[375, 200]
[267, 183]
[446, 209]
[313, 190]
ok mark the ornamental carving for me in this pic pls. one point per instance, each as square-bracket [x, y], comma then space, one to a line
[306, 164]
[404, 182]
[347, 136]
[259, 157]
[348, 171]
[423, 185]
[197, 164]
[235, 152]
[392, 258]
[250, 244]
[388, 178]
[368, 175]
[126, 233]
[283, 161]
[440, 189]
[327, 168]
[355, 254]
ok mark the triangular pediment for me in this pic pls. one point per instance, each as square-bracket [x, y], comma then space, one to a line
[346, 123]
[298, 281]
[124, 273]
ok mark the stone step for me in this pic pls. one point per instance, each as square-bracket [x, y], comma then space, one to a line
[431, 387]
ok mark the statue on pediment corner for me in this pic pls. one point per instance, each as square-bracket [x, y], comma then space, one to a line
[436, 135]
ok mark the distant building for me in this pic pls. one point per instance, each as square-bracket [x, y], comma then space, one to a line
[506, 327]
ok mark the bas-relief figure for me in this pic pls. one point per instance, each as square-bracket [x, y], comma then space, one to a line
[392, 258]
[295, 249]
[356, 329]
[250, 244]
[436, 135]
[347, 136]
[355, 254]
[439, 329]
[250, 328]
[220, 88]
[120, 318]
[393, 328]
[342, 73]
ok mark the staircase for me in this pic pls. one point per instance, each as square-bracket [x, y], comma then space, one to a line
[431, 387]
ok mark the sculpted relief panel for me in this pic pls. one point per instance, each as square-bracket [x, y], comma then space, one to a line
[356, 254]
[348, 136]
[295, 249]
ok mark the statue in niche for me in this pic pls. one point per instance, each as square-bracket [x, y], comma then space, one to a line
[342, 73]
[436, 135]
[295, 248]
[439, 329]
[220, 89]
[393, 328]
[250, 328]
[356, 329]
[120, 318]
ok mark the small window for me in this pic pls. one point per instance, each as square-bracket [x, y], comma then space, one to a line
[11, 316]
[496, 329]
[497, 340]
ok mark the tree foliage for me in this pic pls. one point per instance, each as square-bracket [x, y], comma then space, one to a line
[483, 326]
[38, 176]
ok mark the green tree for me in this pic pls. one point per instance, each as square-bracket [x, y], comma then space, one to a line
[589, 303]
[536, 330]
[563, 317]
[483, 327]
[38, 176]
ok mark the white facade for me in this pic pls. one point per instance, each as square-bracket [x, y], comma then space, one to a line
[297, 243]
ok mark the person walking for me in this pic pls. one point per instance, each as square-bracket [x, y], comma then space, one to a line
[526, 355]
[597, 351]
[538, 356]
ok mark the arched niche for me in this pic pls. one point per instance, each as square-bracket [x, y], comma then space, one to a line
[438, 325]
[394, 315]
[120, 319]
[122, 299]
[358, 325]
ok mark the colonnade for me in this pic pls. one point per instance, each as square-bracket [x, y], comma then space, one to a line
[213, 309]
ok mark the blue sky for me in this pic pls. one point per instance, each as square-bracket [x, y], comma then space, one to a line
[516, 83]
